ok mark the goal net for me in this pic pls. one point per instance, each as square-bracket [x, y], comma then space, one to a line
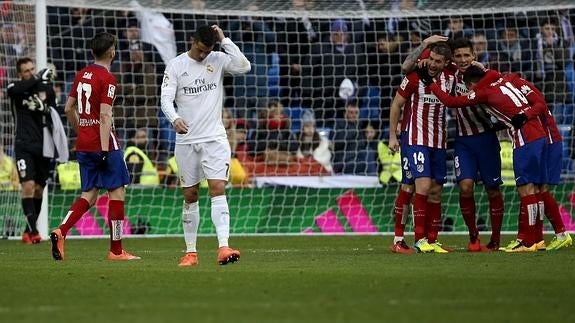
[315, 64]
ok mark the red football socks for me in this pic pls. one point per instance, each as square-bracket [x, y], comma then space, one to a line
[419, 213]
[115, 224]
[468, 210]
[400, 211]
[74, 214]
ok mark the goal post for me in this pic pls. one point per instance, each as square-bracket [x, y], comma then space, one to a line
[288, 43]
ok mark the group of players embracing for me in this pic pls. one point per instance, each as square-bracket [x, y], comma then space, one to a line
[443, 75]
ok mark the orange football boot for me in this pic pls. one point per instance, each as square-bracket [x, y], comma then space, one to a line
[189, 259]
[123, 256]
[57, 240]
[227, 255]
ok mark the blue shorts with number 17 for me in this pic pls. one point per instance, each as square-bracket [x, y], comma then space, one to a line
[114, 176]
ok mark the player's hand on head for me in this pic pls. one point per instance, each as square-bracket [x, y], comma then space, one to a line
[478, 64]
[424, 76]
[518, 120]
[180, 126]
[219, 32]
[422, 63]
[434, 39]
[47, 75]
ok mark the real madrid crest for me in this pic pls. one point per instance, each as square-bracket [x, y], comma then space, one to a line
[210, 68]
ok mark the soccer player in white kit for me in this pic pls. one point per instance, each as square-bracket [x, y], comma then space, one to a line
[194, 81]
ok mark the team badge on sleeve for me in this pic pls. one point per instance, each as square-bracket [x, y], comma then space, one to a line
[403, 84]
[471, 95]
[111, 91]
[166, 80]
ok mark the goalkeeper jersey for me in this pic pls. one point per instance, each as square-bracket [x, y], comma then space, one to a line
[30, 123]
[197, 89]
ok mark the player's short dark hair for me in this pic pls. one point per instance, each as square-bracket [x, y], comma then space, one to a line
[22, 61]
[205, 35]
[461, 42]
[443, 49]
[473, 74]
[101, 43]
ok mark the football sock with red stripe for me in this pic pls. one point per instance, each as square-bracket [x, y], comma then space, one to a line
[400, 211]
[419, 213]
[468, 210]
[74, 214]
[433, 220]
[116, 224]
[496, 210]
[552, 212]
[527, 216]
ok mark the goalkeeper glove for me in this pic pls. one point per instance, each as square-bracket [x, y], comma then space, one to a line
[424, 76]
[34, 103]
[47, 75]
[518, 120]
[103, 162]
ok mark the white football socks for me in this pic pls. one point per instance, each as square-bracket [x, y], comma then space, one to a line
[221, 219]
[190, 223]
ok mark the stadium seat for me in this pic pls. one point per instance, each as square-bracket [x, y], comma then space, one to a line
[570, 79]
[274, 76]
[566, 131]
[370, 108]
[563, 113]
[295, 114]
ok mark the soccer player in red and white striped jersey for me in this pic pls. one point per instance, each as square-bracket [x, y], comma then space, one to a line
[554, 158]
[476, 151]
[503, 101]
[426, 145]
[405, 192]
[101, 159]
[475, 145]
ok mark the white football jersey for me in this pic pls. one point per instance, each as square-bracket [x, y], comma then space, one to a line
[197, 89]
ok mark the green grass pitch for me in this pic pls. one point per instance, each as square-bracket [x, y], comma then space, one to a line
[284, 279]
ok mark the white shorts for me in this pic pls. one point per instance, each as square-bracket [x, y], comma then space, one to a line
[205, 160]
